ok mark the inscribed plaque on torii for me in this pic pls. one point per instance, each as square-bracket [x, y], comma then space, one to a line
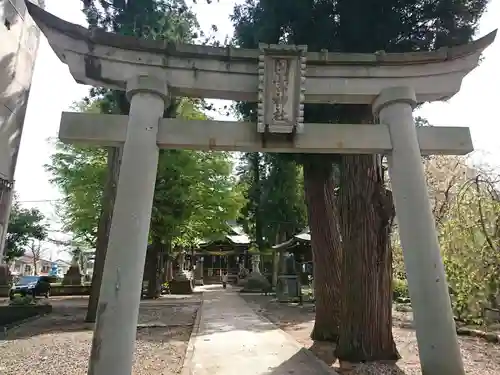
[281, 88]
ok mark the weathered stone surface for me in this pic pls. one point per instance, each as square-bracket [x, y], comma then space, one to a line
[282, 78]
[256, 282]
[181, 286]
[110, 130]
[19, 38]
[198, 273]
[107, 60]
[73, 276]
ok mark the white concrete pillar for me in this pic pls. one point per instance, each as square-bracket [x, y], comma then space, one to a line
[115, 331]
[433, 317]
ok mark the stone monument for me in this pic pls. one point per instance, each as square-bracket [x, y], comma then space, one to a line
[288, 288]
[281, 79]
[19, 38]
[74, 275]
[242, 274]
[198, 272]
[256, 281]
[183, 279]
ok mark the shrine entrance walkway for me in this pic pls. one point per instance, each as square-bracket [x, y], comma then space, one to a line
[232, 339]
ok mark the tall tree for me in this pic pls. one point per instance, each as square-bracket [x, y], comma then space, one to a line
[274, 195]
[268, 22]
[152, 19]
[194, 197]
[358, 26]
[394, 27]
[282, 198]
[326, 246]
[251, 215]
[36, 252]
[25, 225]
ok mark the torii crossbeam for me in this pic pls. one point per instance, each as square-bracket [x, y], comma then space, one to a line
[111, 130]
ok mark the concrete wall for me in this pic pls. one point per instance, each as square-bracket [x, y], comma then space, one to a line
[19, 39]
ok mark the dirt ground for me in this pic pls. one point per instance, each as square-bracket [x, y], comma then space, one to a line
[59, 343]
[480, 357]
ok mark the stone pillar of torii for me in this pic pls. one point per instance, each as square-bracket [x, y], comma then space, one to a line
[281, 79]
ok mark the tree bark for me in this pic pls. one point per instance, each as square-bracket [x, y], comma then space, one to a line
[276, 261]
[107, 206]
[152, 270]
[276, 265]
[366, 213]
[326, 249]
[169, 267]
[257, 181]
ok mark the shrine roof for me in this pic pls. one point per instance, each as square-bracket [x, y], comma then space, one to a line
[46, 20]
[236, 236]
[303, 236]
[239, 239]
[232, 239]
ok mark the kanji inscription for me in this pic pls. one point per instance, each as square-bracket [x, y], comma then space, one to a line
[281, 88]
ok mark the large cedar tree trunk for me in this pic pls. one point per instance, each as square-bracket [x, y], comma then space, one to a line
[325, 241]
[277, 260]
[366, 213]
[276, 268]
[153, 270]
[108, 203]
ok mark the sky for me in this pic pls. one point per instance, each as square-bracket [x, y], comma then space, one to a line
[54, 90]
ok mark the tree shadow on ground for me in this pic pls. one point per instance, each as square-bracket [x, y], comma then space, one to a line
[325, 351]
[159, 320]
[301, 364]
[292, 317]
[284, 314]
[223, 321]
[298, 321]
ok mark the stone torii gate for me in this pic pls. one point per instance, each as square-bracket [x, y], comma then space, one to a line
[281, 79]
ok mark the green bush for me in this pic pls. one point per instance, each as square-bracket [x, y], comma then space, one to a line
[20, 300]
[469, 242]
[400, 291]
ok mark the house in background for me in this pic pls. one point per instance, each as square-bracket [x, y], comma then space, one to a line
[25, 266]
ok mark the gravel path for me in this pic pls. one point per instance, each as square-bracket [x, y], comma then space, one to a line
[59, 343]
[480, 357]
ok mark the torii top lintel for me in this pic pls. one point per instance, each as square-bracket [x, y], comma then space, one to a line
[103, 59]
